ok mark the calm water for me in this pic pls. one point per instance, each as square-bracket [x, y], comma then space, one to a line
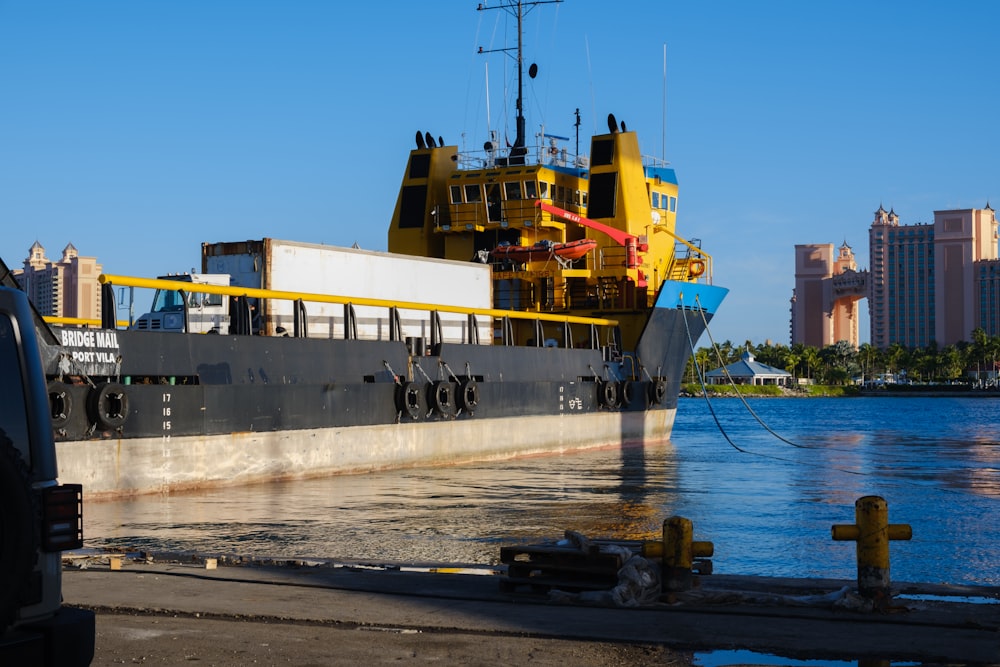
[766, 504]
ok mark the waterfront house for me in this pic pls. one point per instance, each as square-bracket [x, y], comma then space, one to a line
[749, 371]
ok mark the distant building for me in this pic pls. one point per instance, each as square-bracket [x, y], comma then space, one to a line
[827, 291]
[66, 288]
[927, 283]
[988, 284]
[749, 371]
[933, 282]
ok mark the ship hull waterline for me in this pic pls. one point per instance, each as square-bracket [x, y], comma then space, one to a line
[227, 410]
[116, 468]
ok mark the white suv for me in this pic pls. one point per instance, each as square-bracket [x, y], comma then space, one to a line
[39, 518]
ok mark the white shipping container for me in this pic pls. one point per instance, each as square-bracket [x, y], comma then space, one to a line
[320, 269]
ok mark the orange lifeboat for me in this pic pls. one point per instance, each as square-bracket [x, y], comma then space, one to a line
[569, 251]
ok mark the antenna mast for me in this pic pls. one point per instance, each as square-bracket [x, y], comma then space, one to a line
[663, 150]
[577, 125]
[518, 8]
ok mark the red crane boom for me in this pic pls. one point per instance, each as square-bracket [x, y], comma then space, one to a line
[630, 242]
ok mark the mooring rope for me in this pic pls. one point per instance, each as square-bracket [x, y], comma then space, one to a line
[701, 380]
[715, 417]
[711, 408]
[732, 383]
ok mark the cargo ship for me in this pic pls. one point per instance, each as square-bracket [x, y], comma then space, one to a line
[531, 300]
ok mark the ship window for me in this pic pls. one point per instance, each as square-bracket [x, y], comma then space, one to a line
[420, 165]
[603, 195]
[530, 190]
[561, 195]
[456, 194]
[602, 151]
[583, 199]
[473, 193]
[656, 200]
[512, 190]
[543, 190]
[673, 204]
[413, 202]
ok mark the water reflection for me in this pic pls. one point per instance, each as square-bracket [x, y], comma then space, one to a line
[457, 513]
[768, 509]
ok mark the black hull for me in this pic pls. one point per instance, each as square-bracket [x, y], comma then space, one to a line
[339, 383]
[117, 396]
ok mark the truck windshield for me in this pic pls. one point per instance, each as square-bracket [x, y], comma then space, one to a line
[167, 301]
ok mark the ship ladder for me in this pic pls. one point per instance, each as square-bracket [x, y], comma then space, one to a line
[608, 291]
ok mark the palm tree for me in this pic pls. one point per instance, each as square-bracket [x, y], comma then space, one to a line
[724, 352]
[952, 361]
[992, 352]
[703, 357]
[838, 360]
[772, 355]
[791, 362]
[810, 355]
[898, 358]
[866, 355]
[979, 350]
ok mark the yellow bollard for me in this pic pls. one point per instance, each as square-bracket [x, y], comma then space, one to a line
[678, 551]
[872, 533]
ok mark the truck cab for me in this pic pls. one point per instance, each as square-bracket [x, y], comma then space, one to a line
[183, 311]
[39, 518]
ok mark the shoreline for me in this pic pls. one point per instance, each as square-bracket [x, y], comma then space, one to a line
[917, 391]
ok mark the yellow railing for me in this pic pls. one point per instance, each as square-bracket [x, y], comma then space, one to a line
[698, 252]
[256, 293]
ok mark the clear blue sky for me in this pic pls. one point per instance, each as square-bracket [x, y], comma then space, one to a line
[138, 129]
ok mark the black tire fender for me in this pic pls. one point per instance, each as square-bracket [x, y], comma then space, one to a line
[468, 395]
[441, 395]
[60, 403]
[107, 405]
[408, 399]
[20, 518]
[625, 393]
[657, 391]
[607, 394]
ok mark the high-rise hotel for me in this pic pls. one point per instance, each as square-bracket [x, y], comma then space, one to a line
[67, 287]
[933, 282]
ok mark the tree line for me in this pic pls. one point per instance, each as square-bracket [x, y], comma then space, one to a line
[841, 363]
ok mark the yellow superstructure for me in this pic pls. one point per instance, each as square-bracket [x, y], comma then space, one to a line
[449, 211]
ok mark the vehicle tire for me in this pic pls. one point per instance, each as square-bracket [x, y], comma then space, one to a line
[441, 396]
[468, 395]
[408, 399]
[107, 406]
[60, 403]
[19, 521]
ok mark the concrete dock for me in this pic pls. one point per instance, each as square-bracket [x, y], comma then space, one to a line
[307, 613]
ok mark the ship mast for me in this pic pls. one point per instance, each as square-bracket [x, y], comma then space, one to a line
[518, 151]
[518, 8]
